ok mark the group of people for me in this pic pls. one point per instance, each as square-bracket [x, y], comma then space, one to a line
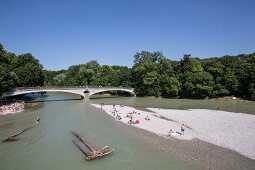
[114, 111]
[147, 118]
[182, 130]
[131, 116]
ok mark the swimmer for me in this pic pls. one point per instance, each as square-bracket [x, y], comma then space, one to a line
[38, 119]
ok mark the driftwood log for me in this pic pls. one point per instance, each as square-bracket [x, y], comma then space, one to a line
[94, 153]
[83, 151]
[13, 137]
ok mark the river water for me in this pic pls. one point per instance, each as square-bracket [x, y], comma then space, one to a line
[48, 145]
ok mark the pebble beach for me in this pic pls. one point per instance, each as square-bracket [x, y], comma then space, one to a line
[12, 108]
[230, 130]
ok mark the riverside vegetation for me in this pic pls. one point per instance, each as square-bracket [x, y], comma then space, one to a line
[152, 74]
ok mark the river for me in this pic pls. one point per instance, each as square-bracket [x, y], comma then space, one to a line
[48, 145]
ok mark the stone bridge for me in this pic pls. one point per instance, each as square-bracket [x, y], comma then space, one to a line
[84, 92]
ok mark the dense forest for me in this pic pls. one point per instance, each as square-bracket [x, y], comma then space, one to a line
[19, 71]
[152, 74]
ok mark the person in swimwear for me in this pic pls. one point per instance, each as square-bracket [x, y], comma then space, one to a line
[182, 128]
[38, 119]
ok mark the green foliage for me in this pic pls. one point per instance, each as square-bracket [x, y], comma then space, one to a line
[190, 64]
[245, 75]
[195, 82]
[196, 85]
[154, 75]
[229, 81]
[170, 86]
[23, 70]
[30, 75]
[8, 79]
[151, 75]
[91, 74]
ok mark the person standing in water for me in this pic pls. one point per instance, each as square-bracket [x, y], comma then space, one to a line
[38, 119]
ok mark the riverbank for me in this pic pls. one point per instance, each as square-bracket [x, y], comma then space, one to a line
[231, 99]
[226, 129]
[12, 107]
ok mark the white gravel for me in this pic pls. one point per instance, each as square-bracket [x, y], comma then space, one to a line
[235, 131]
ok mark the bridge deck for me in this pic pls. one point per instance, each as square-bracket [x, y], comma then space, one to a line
[85, 92]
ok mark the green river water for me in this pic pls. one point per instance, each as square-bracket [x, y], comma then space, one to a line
[48, 145]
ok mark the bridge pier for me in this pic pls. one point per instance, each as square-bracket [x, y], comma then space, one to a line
[86, 97]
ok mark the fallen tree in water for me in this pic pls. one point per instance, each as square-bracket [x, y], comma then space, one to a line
[13, 137]
[93, 153]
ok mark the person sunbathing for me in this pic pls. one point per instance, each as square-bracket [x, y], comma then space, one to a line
[147, 118]
[170, 132]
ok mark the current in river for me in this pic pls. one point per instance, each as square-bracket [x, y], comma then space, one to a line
[48, 144]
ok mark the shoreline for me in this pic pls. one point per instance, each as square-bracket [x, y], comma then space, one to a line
[226, 129]
[12, 108]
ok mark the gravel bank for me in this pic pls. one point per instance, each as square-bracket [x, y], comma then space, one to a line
[234, 131]
[12, 108]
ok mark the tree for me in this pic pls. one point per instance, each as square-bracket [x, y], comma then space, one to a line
[229, 81]
[216, 69]
[87, 71]
[245, 75]
[195, 82]
[169, 85]
[26, 58]
[30, 75]
[59, 79]
[122, 76]
[190, 64]
[153, 75]
[8, 78]
[145, 75]
[146, 56]
[104, 76]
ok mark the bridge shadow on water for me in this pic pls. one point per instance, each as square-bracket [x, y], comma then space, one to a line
[37, 98]
[54, 100]
[102, 96]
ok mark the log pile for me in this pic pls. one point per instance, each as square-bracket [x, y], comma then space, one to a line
[13, 137]
[93, 154]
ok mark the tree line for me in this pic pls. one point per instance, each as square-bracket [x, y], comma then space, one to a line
[152, 74]
[19, 71]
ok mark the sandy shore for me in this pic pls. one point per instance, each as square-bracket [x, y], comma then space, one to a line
[12, 108]
[234, 131]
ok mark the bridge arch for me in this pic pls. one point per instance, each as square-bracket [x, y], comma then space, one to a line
[108, 90]
[84, 92]
[46, 90]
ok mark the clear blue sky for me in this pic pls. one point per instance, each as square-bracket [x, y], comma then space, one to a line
[62, 33]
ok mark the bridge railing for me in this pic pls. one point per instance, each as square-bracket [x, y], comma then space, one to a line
[68, 88]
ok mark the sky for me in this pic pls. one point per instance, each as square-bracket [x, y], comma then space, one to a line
[61, 33]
